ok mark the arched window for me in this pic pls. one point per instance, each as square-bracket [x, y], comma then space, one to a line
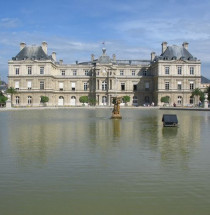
[104, 100]
[61, 100]
[29, 100]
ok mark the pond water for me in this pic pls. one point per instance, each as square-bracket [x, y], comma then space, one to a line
[79, 161]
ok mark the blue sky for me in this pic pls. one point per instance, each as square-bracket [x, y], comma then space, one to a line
[75, 29]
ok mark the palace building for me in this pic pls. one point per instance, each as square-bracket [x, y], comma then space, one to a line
[35, 73]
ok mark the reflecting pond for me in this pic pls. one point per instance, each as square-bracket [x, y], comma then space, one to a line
[79, 161]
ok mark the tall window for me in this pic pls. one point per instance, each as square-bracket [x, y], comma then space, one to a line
[74, 72]
[191, 85]
[104, 85]
[191, 70]
[17, 85]
[85, 86]
[41, 85]
[123, 86]
[133, 72]
[29, 70]
[179, 70]
[179, 100]
[121, 72]
[73, 86]
[167, 85]
[147, 86]
[29, 100]
[135, 87]
[86, 72]
[179, 85]
[42, 70]
[167, 70]
[17, 71]
[61, 86]
[145, 73]
[63, 72]
[29, 85]
[17, 100]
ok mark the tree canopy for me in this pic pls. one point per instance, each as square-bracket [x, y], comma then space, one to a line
[44, 99]
[126, 99]
[165, 99]
[83, 99]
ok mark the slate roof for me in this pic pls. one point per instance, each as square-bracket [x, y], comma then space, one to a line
[175, 53]
[205, 80]
[32, 53]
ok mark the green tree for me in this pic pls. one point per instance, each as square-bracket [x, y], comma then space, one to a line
[198, 94]
[11, 91]
[44, 99]
[83, 99]
[165, 99]
[3, 99]
[126, 99]
[208, 91]
[92, 101]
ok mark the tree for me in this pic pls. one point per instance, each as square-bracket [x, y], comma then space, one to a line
[198, 94]
[92, 101]
[83, 99]
[44, 99]
[3, 99]
[11, 91]
[208, 91]
[165, 99]
[126, 99]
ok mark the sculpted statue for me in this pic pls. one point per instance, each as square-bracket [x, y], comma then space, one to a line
[116, 110]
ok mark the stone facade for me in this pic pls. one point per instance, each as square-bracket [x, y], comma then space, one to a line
[34, 73]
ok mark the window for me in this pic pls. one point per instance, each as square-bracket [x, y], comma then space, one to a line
[123, 86]
[29, 70]
[167, 70]
[191, 70]
[179, 70]
[145, 73]
[17, 71]
[135, 87]
[17, 85]
[133, 72]
[41, 85]
[73, 86]
[167, 85]
[146, 99]
[179, 100]
[17, 100]
[61, 86]
[191, 100]
[147, 86]
[104, 100]
[191, 85]
[63, 72]
[29, 85]
[179, 85]
[121, 72]
[74, 72]
[29, 100]
[104, 85]
[135, 100]
[42, 70]
[85, 86]
[110, 84]
[86, 72]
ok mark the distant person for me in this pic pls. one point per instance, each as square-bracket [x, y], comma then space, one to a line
[153, 104]
[174, 104]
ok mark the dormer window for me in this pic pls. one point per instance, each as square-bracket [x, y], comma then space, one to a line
[145, 73]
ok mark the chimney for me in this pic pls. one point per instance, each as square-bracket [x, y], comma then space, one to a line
[92, 57]
[44, 47]
[164, 46]
[61, 62]
[114, 57]
[22, 46]
[54, 56]
[152, 56]
[185, 45]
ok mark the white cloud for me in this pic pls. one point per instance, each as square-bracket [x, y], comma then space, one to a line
[9, 22]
